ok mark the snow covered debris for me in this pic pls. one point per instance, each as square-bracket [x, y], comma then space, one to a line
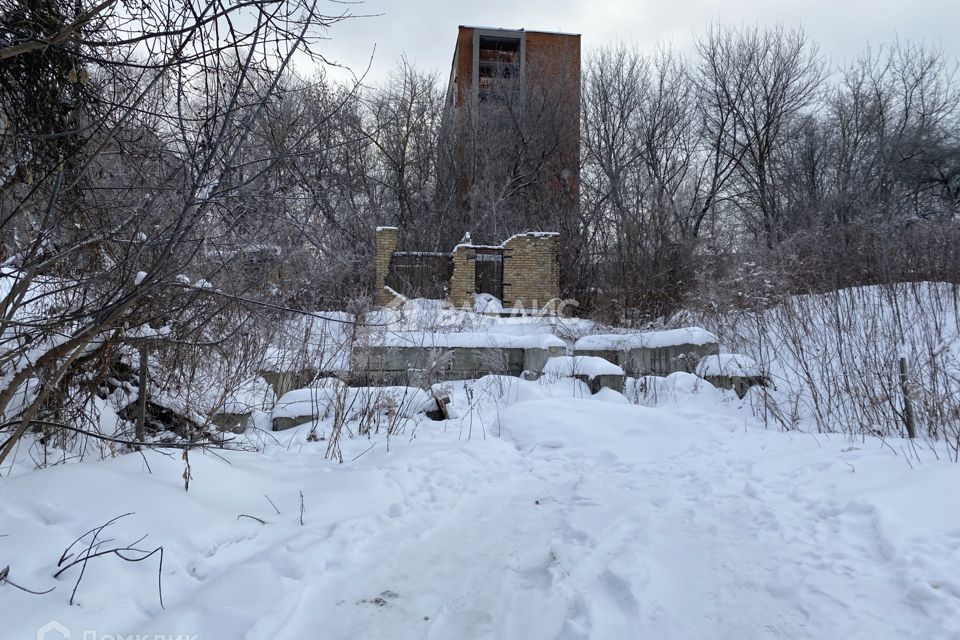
[320, 401]
[465, 340]
[609, 395]
[728, 364]
[590, 366]
[314, 401]
[646, 340]
[678, 388]
[487, 303]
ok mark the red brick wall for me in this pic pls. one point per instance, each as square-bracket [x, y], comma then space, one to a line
[464, 64]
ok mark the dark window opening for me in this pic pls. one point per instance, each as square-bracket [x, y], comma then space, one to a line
[498, 64]
[503, 44]
[499, 70]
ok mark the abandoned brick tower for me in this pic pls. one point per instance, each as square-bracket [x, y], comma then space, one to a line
[511, 130]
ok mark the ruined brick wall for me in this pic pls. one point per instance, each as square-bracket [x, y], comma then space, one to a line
[531, 270]
[464, 280]
[387, 238]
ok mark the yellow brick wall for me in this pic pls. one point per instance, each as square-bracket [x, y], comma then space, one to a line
[463, 283]
[387, 238]
[531, 270]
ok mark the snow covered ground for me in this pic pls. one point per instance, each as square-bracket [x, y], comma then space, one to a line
[540, 512]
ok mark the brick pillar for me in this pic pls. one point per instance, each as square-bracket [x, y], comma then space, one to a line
[386, 245]
[463, 282]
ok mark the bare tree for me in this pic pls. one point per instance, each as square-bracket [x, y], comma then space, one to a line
[402, 120]
[105, 228]
[759, 81]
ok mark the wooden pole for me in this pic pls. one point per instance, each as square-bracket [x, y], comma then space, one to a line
[907, 403]
[142, 397]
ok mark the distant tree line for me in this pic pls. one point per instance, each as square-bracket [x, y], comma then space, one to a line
[753, 166]
[751, 159]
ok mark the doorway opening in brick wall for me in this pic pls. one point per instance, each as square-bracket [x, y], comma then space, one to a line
[489, 272]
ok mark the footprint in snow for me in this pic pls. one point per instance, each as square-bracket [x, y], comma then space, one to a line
[381, 600]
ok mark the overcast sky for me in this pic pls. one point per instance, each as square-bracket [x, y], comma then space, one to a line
[425, 30]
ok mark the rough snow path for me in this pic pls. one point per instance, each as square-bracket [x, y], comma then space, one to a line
[582, 520]
[656, 547]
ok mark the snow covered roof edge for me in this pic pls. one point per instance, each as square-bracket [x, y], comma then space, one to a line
[503, 245]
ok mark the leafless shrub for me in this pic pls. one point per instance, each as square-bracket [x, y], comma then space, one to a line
[834, 359]
[97, 548]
